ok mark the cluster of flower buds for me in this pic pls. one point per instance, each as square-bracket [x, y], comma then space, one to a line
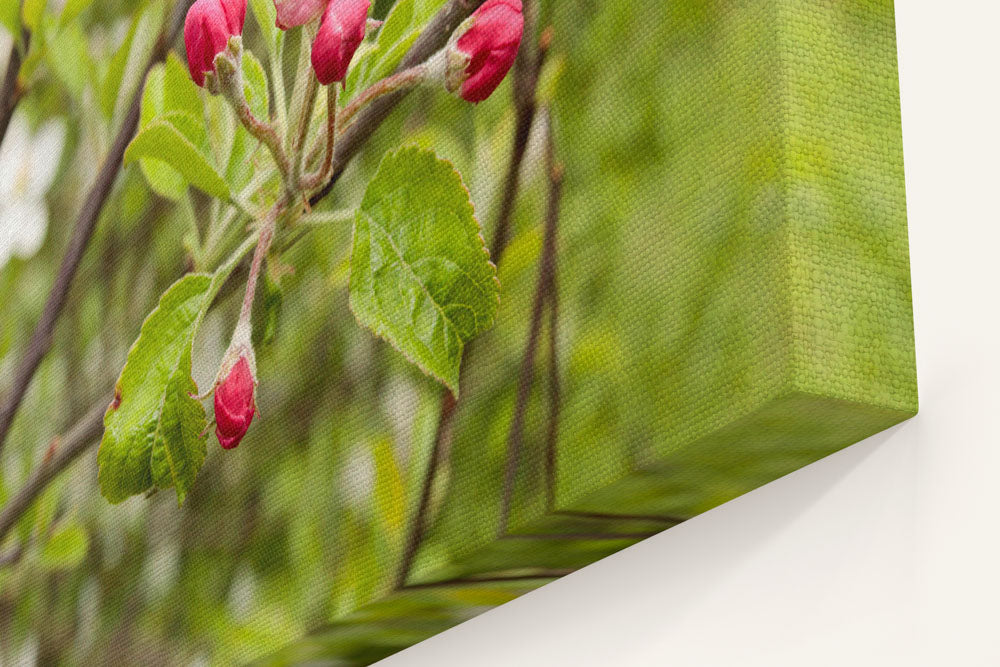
[341, 30]
[476, 59]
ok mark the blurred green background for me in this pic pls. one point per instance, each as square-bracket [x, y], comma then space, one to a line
[733, 199]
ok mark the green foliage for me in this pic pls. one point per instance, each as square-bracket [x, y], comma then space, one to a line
[65, 548]
[10, 18]
[67, 57]
[266, 310]
[420, 273]
[71, 10]
[255, 86]
[168, 89]
[128, 64]
[31, 13]
[402, 26]
[164, 140]
[152, 429]
[265, 14]
[676, 166]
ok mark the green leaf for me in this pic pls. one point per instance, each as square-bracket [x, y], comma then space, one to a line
[72, 10]
[163, 179]
[152, 429]
[255, 86]
[66, 548]
[31, 13]
[162, 139]
[128, 64]
[67, 56]
[169, 89]
[421, 276]
[10, 18]
[266, 311]
[264, 12]
[401, 28]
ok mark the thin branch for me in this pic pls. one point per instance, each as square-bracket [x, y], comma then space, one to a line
[433, 37]
[659, 518]
[579, 536]
[527, 68]
[406, 79]
[267, 135]
[552, 573]
[266, 236]
[68, 447]
[11, 557]
[41, 338]
[555, 390]
[418, 527]
[11, 91]
[312, 87]
[313, 181]
[546, 269]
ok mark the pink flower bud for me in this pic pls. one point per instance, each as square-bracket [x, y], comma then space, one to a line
[207, 28]
[234, 404]
[340, 33]
[487, 49]
[292, 13]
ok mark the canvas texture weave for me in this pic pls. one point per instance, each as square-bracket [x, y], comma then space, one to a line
[704, 286]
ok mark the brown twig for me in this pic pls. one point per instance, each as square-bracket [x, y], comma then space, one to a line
[312, 87]
[555, 390]
[418, 525]
[41, 338]
[404, 80]
[579, 536]
[553, 573]
[313, 181]
[11, 91]
[75, 442]
[527, 69]
[11, 557]
[266, 134]
[659, 518]
[546, 270]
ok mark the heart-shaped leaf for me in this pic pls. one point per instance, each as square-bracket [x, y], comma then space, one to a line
[421, 276]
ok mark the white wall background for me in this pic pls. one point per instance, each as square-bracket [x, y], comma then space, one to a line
[887, 553]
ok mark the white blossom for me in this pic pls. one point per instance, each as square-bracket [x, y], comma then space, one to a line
[28, 163]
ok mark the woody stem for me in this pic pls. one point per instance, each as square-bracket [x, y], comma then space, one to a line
[408, 78]
[263, 245]
[300, 140]
[315, 180]
[266, 134]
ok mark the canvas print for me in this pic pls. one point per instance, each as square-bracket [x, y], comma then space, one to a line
[326, 325]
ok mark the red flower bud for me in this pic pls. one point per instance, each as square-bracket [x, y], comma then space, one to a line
[292, 13]
[340, 33]
[234, 404]
[207, 28]
[489, 46]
